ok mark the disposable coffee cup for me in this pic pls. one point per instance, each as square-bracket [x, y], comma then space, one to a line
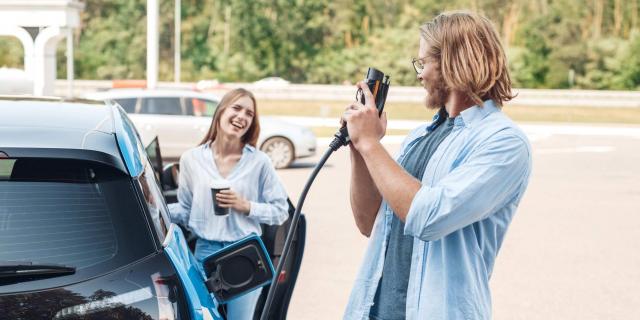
[217, 186]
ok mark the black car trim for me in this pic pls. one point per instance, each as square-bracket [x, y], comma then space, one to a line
[70, 154]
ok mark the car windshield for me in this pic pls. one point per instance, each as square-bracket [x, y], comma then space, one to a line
[70, 212]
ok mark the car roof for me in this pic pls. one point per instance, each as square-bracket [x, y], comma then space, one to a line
[146, 93]
[32, 127]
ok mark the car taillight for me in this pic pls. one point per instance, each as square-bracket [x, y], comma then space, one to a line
[282, 277]
[163, 287]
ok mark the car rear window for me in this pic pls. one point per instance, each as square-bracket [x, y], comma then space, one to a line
[70, 212]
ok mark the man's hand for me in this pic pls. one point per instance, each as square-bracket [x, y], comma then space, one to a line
[229, 199]
[364, 125]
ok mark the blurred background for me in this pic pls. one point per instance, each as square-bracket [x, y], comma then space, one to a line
[572, 251]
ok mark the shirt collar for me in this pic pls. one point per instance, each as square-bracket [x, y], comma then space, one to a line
[436, 120]
[248, 147]
[467, 117]
[476, 113]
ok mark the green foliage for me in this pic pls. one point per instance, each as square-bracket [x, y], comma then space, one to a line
[549, 43]
[603, 67]
[630, 75]
[11, 53]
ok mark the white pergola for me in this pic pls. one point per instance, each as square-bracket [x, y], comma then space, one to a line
[49, 21]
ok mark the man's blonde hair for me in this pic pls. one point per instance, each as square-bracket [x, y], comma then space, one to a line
[471, 58]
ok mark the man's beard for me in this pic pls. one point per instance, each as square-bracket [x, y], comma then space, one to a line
[437, 92]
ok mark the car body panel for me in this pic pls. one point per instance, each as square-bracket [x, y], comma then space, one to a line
[304, 141]
[89, 128]
[199, 298]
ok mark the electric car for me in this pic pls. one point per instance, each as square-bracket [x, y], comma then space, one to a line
[85, 232]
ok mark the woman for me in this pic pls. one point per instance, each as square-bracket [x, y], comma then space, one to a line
[228, 152]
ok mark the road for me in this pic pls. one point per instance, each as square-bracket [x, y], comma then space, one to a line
[572, 251]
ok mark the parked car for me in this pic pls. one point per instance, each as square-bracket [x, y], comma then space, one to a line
[86, 232]
[15, 81]
[271, 82]
[181, 118]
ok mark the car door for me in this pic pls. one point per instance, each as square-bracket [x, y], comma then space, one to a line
[274, 238]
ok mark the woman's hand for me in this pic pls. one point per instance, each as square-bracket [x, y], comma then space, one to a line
[229, 199]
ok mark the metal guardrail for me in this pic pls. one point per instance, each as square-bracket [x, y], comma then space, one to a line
[399, 94]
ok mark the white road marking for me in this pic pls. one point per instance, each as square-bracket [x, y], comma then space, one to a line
[583, 149]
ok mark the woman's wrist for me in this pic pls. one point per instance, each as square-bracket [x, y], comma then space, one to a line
[246, 207]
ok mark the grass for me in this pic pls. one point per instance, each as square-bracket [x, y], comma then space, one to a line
[333, 109]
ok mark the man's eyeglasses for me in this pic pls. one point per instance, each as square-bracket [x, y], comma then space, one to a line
[418, 64]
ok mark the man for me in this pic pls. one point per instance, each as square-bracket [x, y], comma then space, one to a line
[438, 215]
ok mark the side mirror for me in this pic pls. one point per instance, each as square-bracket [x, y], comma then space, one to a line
[169, 176]
[238, 269]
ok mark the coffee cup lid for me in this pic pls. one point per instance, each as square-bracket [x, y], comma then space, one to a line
[220, 184]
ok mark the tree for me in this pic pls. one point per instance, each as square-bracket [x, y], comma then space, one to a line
[324, 41]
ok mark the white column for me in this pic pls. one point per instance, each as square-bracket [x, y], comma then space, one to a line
[45, 60]
[152, 43]
[69, 62]
[176, 52]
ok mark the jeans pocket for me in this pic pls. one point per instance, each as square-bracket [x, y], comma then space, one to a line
[205, 248]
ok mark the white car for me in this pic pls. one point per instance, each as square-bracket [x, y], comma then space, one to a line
[271, 82]
[181, 118]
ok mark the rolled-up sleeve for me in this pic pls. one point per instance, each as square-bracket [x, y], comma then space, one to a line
[272, 208]
[489, 178]
[180, 211]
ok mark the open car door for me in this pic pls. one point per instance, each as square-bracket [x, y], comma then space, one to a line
[273, 238]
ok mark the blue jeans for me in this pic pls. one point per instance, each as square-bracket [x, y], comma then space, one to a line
[241, 308]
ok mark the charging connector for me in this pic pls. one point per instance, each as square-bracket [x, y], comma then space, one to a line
[341, 138]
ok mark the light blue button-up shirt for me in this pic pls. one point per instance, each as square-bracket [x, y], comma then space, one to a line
[253, 177]
[470, 190]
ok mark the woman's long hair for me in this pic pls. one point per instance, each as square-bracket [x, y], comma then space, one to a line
[251, 136]
[471, 58]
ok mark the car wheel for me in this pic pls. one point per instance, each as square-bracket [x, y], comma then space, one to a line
[279, 150]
